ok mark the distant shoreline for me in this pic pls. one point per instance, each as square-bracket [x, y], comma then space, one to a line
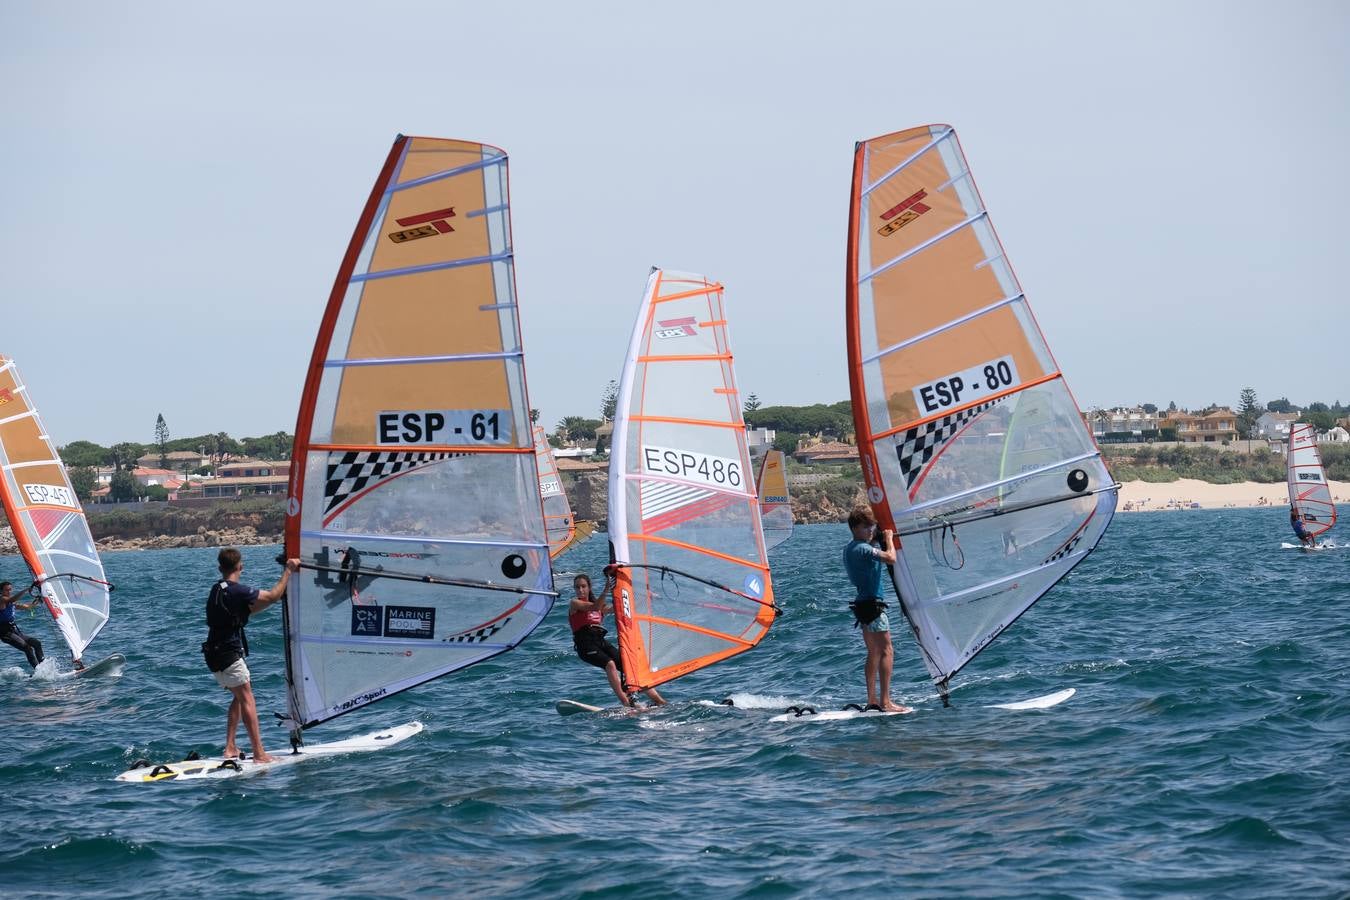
[1151, 496]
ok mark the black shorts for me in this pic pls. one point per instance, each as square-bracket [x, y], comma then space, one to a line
[594, 649]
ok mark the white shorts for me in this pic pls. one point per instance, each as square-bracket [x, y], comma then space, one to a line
[234, 675]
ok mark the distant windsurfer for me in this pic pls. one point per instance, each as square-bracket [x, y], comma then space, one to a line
[586, 615]
[227, 611]
[1296, 523]
[863, 562]
[10, 632]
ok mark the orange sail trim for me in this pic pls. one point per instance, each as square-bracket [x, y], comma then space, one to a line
[693, 587]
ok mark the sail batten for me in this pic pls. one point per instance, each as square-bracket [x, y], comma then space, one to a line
[48, 521]
[972, 447]
[414, 497]
[691, 585]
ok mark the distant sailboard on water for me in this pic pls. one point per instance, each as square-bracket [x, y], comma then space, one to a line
[1309, 492]
[48, 522]
[564, 532]
[775, 506]
[972, 447]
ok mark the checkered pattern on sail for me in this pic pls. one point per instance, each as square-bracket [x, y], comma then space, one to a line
[921, 442]
[354, 471]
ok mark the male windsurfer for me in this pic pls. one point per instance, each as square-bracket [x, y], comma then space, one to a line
[586, 615]
[863, 562]
[227, 611]
[9, 629]
[1296, 523]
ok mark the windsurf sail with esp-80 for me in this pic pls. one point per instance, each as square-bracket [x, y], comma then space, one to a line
[691, 584]
[775, 508]
[47, 519]
[972, 447]
[414, 498]
[562, 528]
[1309, 492]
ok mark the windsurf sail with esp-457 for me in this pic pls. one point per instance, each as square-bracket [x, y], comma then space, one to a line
[414, 498]
[691, 584]
[1309, 492]
[972, 447]
[47, 519]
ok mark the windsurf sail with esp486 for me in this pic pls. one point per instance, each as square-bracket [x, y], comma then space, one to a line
[414, 497]
[1309, 493]
[972, 447]
[691, 584]
[47, 519]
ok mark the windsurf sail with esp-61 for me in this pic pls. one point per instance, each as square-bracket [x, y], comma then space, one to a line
[1309, 492]
[562, 528]
[972, 447]
[775, 507]
[691, 584]
[414, 498]
[47, 519]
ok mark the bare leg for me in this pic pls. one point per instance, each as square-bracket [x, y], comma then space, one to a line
[656, 698]
[870, 667]
[886, 661]
[616, 683]
[231, 748]
[244, 694]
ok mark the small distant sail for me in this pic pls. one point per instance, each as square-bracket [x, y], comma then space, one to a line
[558, 522]
[775, 509]
[414, 498]
[47, 519]
[692, 586]
[972, 447]
[1309, 492]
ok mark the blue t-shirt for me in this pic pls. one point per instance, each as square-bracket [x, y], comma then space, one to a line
[7, 612]
[863, 564]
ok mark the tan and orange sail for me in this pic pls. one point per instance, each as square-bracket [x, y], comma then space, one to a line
[692, 584]
[414, 499]
[972, 447]
[775, 507]
[47, 519]
[560, 524]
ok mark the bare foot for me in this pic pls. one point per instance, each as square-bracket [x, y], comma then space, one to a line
[231, 752]
[895, 707]
[263, 757]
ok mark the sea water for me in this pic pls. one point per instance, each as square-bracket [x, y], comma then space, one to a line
[1206, 751]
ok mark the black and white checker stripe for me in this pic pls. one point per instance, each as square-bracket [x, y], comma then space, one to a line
[355, 470]
[919, 444]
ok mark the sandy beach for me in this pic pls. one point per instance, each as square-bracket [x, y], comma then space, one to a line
[1147, 496]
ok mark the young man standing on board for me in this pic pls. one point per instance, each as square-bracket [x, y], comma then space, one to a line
[863, 561]
[9, 629]
[1300, 530]
[227, 612]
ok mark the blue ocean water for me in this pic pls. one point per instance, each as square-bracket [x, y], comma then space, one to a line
[1206, 752]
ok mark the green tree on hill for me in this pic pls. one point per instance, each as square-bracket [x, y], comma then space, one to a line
[752, 403]
[84, 453]
[1281, 405]
[162, 440]
[84, 480]
[579, 428]
[124, 455]
[124, 486]
[609, 402]
[1249, 410]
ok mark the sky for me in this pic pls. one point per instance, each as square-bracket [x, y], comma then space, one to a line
[180, 182]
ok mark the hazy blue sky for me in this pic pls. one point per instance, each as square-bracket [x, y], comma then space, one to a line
[181, 181]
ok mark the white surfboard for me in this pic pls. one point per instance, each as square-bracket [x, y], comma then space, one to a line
[1043, 702]
[572, 707]
[218, 767]
[111, 665]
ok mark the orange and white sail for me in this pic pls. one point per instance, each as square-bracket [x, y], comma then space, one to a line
[972, 447]
[775, 507]
[47, 519]
[414, 497]
[1309, 492]
[559, 525]
[691, 583]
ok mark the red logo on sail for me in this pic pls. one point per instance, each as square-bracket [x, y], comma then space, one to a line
[428, 224]
[5, 396]
[902, 213]
[673, 328]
